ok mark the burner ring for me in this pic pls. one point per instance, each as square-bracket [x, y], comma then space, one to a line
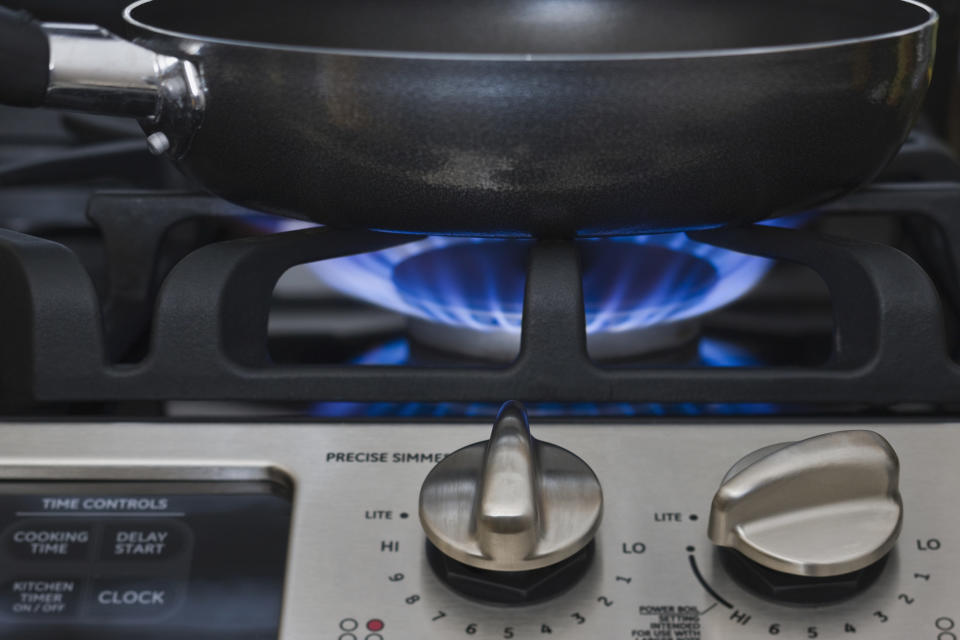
[476, 285]
[504, 346]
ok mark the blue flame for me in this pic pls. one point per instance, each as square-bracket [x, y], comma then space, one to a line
[393, 410]
[712, 353]
[629, 282]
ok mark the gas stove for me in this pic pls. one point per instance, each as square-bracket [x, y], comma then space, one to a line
[220, 424]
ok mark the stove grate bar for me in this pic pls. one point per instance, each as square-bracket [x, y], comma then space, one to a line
[209, 338]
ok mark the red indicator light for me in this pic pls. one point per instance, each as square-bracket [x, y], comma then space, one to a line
[375, 625]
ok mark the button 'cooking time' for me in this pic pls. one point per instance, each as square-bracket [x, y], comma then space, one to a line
[39, 540]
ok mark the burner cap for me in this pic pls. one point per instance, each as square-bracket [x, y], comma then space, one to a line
[469, 297]
[503, 346]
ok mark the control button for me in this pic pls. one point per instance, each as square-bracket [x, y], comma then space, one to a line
[509, 507]
[810, 521]
[39, 597]
[347, 636]
[375, 625]
[349, 624]
[49, 541]
[143, 541]
[133, 598]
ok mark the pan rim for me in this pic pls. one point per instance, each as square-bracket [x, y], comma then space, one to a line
[932, 20]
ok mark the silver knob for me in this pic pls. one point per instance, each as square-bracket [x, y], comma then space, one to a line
[511, 503]
[821, 507]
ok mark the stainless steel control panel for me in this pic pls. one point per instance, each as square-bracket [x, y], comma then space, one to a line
[357, 567]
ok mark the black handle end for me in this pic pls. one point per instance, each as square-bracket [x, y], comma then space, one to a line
[24, 59]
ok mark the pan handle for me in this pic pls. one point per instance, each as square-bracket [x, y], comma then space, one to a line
[24, 59]
[84, 67]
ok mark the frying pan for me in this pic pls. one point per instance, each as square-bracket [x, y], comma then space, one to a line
[501, 117]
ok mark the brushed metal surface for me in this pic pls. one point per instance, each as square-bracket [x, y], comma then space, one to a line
[824, 506]
[511, 503]
[93, 70]
[656, 478]
[84, 77]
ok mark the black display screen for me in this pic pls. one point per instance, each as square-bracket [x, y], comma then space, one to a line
[155, 560]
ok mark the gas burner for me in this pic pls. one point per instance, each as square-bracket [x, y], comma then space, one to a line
[205, 332]
[642, 294]
[503, 346]
[707, 352]
[474, 293]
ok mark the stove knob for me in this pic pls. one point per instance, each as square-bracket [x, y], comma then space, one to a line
[811, 521]
[510, 520]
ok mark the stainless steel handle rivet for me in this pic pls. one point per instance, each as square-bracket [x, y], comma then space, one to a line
[512, 503]
[158, 143]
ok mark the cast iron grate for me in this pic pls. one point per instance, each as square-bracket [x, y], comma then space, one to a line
[209, 319]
